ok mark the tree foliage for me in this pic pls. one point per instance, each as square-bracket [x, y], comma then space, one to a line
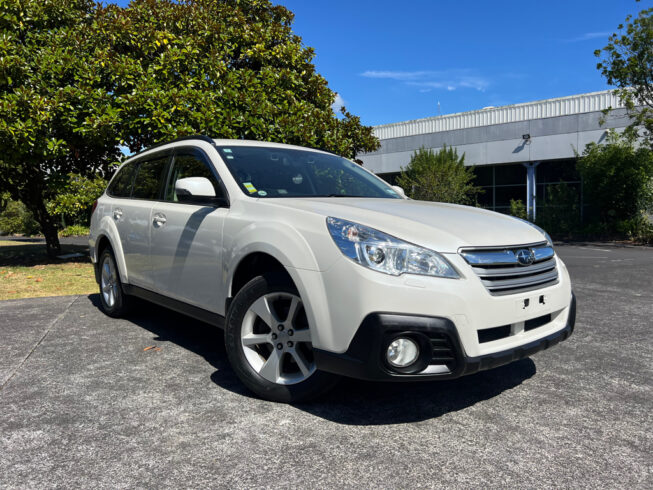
[78, 80]
[518, 209]
[75, 197]
[439, 176]
[618, 184]
[627, 63]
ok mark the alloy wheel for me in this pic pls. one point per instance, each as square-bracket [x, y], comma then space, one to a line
[276, 339]
[109, 282]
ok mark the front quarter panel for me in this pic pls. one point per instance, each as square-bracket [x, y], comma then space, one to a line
[298, 240]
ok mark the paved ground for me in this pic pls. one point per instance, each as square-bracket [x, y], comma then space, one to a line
[83, 405]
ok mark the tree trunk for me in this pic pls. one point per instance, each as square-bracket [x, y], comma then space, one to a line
[51, 237]
[36, 205]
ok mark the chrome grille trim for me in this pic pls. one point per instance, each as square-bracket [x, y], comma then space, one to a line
[502, 274]
[515, 271]
[504, 256]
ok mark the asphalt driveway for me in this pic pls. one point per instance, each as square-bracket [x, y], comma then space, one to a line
[83, 404]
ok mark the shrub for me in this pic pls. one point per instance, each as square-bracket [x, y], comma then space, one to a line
[518, 209]
[15, 218]
[74, 230]
[617, 184]
[439, 176]
[559, 212]
[639, 229]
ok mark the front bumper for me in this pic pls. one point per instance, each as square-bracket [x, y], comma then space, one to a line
[446, 358]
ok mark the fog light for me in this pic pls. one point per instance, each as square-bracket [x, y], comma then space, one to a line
[402, 352]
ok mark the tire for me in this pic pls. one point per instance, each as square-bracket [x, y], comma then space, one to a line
[113, 299]
[268, 342]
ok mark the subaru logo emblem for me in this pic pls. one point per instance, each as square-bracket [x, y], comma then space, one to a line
[525, 256]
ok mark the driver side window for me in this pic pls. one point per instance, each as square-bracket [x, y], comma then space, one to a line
[190, 163]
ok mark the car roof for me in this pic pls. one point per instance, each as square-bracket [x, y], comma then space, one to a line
[219, 143]
[264, 144]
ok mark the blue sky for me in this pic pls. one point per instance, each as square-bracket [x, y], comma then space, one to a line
[393, 61]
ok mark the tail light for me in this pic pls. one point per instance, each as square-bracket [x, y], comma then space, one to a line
[93, 208]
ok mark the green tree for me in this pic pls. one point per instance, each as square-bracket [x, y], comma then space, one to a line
[617, 184]
[75, 197]
[47, 92]
[79, 79]
[627, 63]
[439, 176]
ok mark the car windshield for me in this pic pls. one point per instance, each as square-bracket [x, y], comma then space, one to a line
[281, 172]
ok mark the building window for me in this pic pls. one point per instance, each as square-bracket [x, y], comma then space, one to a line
[552, 173]
[501, 183]
[390, 178]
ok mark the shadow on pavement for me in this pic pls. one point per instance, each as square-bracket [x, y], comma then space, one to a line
[30, 253]
[355, 402]
[352, 402]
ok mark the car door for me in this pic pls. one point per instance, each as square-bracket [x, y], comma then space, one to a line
[133, 216]
[186, 246]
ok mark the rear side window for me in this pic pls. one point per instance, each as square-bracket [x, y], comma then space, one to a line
[149, 177]
[121, 186]
[189, 163]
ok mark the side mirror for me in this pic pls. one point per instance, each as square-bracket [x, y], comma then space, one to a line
[197, 190]
[194, 186]
[399, 190]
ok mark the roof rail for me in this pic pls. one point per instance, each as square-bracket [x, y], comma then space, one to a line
[201, 137]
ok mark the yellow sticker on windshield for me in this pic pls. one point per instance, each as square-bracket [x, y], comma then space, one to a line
[249, 187]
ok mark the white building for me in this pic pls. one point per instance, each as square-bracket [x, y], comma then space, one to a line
[518, 150]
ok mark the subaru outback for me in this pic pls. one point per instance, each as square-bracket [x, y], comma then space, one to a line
[316, 268]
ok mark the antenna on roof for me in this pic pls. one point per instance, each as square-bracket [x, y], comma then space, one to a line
[439, 111]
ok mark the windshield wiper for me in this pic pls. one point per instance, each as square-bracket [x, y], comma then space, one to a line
[340, 195]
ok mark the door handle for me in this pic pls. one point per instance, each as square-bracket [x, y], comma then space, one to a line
[159, 220]
[117, 214]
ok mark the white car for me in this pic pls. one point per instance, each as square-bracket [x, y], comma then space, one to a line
[317, 268]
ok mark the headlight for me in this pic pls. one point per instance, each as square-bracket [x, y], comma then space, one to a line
[546, 235]
[384, 253]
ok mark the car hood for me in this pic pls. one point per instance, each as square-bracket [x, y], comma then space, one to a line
[440, 226]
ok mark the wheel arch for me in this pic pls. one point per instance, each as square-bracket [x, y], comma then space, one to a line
[108, 237]
[252, 265]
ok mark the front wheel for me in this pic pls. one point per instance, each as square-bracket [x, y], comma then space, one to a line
[269, 344]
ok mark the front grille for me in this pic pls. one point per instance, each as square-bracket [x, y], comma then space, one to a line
[443, 350]
[501, 271]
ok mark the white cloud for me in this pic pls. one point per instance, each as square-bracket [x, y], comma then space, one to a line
[589, 35]
[397, 75]
[429, 79]
[338, 103]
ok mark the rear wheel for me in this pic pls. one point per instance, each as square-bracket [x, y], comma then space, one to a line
[114, 301]
[269, 344]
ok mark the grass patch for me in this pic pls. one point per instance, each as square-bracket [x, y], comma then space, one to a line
[74, 230]
[26, 271]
